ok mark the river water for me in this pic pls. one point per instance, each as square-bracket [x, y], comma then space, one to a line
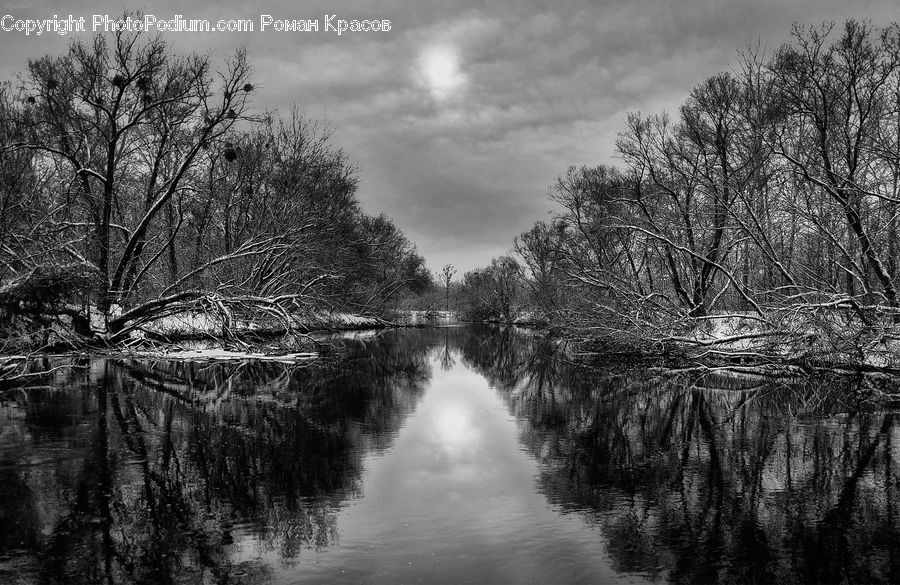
[454, 455]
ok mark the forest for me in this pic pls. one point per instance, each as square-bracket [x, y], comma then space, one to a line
[137, 183]
[759, 219]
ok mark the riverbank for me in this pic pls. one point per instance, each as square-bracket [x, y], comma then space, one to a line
[785, 340]
[203, 336]
[797, 341]
[190, 336]
[192, 325]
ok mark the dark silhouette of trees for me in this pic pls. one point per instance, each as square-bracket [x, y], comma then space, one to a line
[447, 273]
[491, 293]
[136, 182]
[770, 197]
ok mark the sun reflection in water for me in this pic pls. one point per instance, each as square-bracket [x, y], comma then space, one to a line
[453, 428]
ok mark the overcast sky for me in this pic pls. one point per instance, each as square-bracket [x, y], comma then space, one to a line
[463, 114]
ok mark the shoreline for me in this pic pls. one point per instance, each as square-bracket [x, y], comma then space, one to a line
[715, 350]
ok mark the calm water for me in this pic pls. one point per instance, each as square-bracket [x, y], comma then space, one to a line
[453, 455]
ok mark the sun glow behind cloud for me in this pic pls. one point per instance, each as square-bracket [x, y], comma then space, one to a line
[439, 68]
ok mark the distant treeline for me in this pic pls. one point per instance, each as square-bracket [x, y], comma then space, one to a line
[136, 183]
[772, 193]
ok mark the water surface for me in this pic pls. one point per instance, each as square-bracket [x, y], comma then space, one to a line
[468, 454]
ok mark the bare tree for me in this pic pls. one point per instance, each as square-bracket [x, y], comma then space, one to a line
[447, 273]
[136, 183]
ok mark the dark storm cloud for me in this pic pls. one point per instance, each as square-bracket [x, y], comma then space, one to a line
[461, 117]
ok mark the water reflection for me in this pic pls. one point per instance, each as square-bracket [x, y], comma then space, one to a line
[399, 462]
[705, 478]
[138, 471]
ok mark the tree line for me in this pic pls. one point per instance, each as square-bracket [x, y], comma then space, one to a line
[772, 193]
[136, 182]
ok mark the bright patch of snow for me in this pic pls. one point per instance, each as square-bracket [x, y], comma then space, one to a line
[228, 355]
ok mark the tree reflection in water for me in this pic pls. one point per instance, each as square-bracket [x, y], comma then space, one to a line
[171, 472]
[166, 472]
[706, 478]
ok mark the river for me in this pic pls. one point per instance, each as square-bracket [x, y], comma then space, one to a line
[466, 454]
